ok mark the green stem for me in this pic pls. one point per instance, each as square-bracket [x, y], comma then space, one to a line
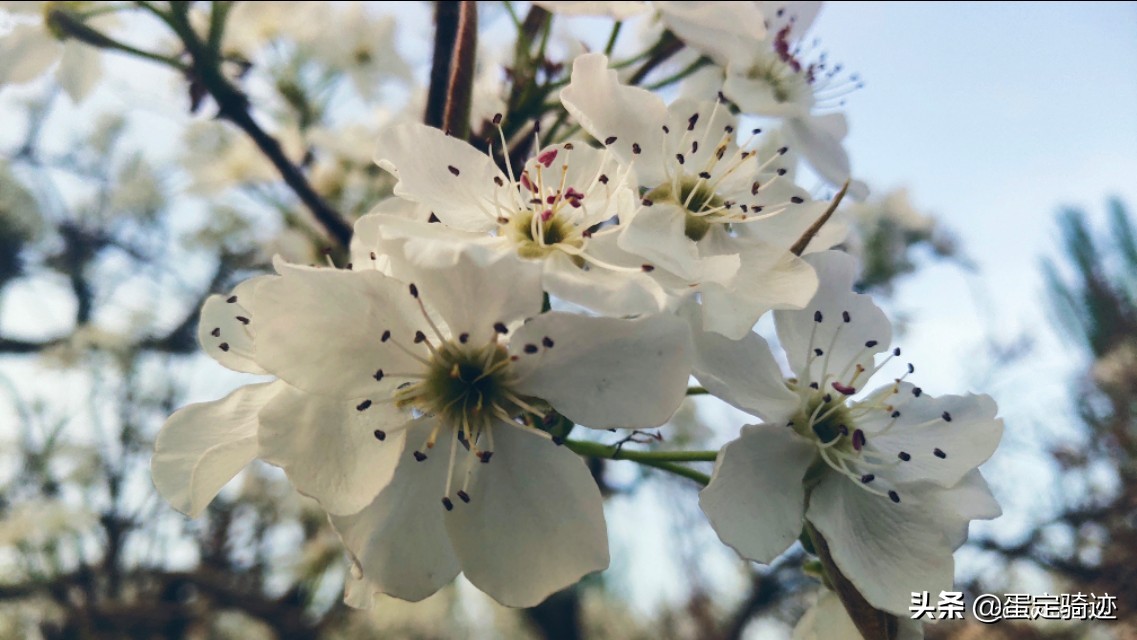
[676, 77]
[663, 460]
[612, 38]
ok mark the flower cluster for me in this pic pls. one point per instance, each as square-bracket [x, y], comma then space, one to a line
[423, 394]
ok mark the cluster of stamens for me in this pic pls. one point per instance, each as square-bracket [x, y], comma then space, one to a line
[696, 188]
[467, 389]
[825, 418]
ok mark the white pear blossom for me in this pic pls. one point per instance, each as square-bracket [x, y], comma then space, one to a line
[361, 44]
[699, 184]
[889, 480]
[551, 211]
[30, 49]
[434, 387]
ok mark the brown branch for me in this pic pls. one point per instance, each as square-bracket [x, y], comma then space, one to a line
[667, 46]
[799, 247]
[460, 87]
[445, 37]
[233, 105]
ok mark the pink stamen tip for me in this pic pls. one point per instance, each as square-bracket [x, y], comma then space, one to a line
[547, 158]
[844, 389]
[546, 215]
[858, 439]
[525, 182]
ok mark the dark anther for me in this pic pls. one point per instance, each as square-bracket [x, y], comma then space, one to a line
[548, 342]
[224, 346]
[754, 188]
[867, 478]
[694, 146]
[420, 337]
[691, 121]
[783, 151]
[242, 319]
[453, 169]
[380, 435]
[916, 391]
[911, 368]
[530, 348]
[231, 299]
[464, 497]
[781, 171]
[797, 199]
[362, 406]
[858, 440]
[813, 385]
[647, 202]
[817, 316]
[414, 290]
[636, 147]
[946, 417]
[896, 351]
[497, 118]
[895, 414]
[485, 456]
[609, 139]
[498, 181]
[705, 175]
[818, 352]
[845, 316]
[904, 455]
[386, 335]
[448, 504]
[420, 456]
[647, 268]
[871, 343]
[378, 375]
[603, 179]
[666, 129]
[500, 328]
[939, 453]
[680, 158]
[216, 333]
[895, 497]
[463, 338]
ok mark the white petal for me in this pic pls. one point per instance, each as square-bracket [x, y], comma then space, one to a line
[80, 69]
[721, 30]
[225, 327]
[743, 373]
[607, 292]
[814, 138]
[921, 430]
[202, 446]
[785, 229]
[657, 234]
[452, 178]
[828, 620]
[26, 51]
[400, 539]
[474, 290]
[320, 330]
[969, 500]
[755, 500]
[767, 278]
[887, 550]
[534, 523]
[365, 240]
[844, 344]
[328, 447]
[618, 10]
[604, 372]
[606, 109]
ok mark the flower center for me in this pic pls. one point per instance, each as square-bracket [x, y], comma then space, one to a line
[463, 387]
[697, 197]
[538, 235]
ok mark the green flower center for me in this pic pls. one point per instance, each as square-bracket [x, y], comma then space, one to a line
[694, 195]
[464, 387]
[538, 240]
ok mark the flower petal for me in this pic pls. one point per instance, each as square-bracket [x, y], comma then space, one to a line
[609, 110]
[742, 372]
[657, 234]
[534, 523]
[604, 372]
[399, 541]
[340, 452]
[720, 30]
[822, 325]
[225, 328]
[887, 550]
[945, 437]
[321, 330]
[755, 500]
[202, 446]
[767, 278]
[456, 181]
[816, 139]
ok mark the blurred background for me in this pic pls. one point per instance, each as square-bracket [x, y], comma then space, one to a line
[1000, 144]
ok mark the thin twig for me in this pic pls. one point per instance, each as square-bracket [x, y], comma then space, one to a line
[460, 88]
[815, 228]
